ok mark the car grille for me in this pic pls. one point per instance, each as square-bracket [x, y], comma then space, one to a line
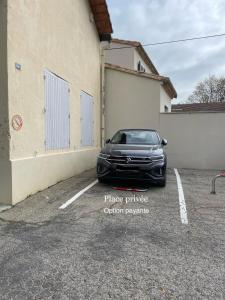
[129, 160]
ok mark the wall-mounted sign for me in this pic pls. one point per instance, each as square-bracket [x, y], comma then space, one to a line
[17, 122]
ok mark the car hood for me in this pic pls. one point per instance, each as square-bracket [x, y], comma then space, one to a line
[133, 150]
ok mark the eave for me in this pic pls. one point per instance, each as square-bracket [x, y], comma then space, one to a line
[102, 19]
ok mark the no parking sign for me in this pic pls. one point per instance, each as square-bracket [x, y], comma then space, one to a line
[17, 122]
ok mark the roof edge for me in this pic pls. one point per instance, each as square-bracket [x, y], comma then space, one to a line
[141, 51]
[102, 19]
[199, 107]
[167, 84]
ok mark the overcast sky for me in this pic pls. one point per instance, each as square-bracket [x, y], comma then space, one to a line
[150, 21]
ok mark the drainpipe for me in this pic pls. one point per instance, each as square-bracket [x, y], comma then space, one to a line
[102, 124]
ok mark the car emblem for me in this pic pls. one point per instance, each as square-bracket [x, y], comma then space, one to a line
[128, 160]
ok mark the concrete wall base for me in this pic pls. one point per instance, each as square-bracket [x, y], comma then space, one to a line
[31, 175]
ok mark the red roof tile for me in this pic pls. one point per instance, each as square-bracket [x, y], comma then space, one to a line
[101, 17]
[199, 107]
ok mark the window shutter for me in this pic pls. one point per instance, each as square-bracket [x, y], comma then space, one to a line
[57, 113]
[87, 120]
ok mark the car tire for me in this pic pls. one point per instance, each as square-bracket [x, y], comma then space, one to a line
[162, 183]
[101, 180]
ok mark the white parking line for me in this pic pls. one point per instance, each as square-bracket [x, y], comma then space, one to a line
[70, 201]
[183, 209]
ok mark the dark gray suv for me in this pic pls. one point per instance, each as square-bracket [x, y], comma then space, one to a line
[136, 154]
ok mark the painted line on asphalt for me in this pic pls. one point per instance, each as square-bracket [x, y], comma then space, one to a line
[75, 197]
[183, 209]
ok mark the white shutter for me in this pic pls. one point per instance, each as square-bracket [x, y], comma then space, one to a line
[86, 104]
[57, 114]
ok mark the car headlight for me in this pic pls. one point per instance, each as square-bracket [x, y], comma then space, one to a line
[158, 158]
[103, 156]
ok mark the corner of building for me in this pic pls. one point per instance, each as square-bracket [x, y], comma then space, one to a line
[5, 164]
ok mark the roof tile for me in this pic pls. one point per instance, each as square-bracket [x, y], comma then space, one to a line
[199, 107]
[101, 16]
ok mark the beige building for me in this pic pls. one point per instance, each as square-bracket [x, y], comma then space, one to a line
[135, 93]
[50, 115]
[55, 112]
[130, 55]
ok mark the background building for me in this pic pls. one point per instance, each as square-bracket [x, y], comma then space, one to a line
[135, 93]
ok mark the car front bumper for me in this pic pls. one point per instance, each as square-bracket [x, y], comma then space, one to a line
[153, 172]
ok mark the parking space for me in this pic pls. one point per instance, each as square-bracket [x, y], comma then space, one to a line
[116, 244]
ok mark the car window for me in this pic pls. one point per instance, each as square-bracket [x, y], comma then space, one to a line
[139, 137]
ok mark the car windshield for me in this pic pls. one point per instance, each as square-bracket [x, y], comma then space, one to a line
[138, 137]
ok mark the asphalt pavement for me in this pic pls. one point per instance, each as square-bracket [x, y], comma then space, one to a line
[116, 244]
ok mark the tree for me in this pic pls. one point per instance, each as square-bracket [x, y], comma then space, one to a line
[212, 89]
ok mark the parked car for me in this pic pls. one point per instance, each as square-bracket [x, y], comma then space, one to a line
[133, 154]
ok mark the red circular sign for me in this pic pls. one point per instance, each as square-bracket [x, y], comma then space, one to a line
[17, 122]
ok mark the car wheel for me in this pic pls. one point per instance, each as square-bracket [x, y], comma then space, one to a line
[101, 180]
[162, 183]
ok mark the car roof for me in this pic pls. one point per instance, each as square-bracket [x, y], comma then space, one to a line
[141, 129]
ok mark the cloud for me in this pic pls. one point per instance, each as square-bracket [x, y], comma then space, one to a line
[150, 21]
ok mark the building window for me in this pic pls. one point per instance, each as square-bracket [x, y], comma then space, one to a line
[166, 109]
[87, 119]
[140, 67]
[57, 113]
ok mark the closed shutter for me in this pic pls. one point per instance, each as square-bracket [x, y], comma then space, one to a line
[57, 113]
[86, 104]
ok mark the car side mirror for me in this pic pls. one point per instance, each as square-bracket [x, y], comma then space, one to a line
[164, 142]
[107, 141]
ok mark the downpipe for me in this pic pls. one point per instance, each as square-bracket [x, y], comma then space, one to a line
[102, 119]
